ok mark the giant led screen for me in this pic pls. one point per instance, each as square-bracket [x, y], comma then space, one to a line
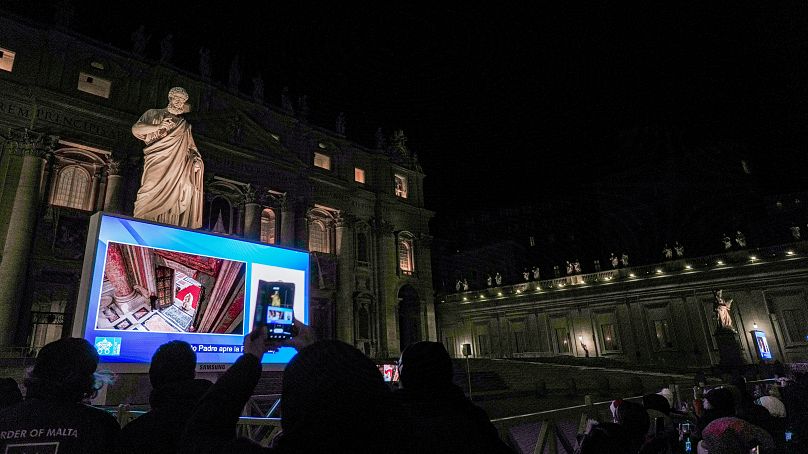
[145, 284]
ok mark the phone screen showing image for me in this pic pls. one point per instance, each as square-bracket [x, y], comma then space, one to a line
[275, 308]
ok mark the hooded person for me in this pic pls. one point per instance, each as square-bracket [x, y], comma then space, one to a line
[175, 392]
[52, 416]
[633, 417]
[443, 418]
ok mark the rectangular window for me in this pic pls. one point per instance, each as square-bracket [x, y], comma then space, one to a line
[519, 342]
[6, 59]
[483, 347]
[563, 340]
[449, 343]
[359, 175]
[322, 161]
[796, 326]
[662, 334]
[610, 341]
[94, 85]
[401, 186]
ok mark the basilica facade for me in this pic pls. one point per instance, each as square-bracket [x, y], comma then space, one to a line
[664, 314]
[67, 105]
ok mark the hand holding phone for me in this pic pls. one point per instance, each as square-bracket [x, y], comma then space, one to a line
[274, 308]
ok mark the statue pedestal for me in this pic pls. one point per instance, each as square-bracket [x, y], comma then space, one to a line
[729, 350]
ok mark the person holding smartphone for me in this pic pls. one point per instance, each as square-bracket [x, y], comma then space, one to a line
[333, 399]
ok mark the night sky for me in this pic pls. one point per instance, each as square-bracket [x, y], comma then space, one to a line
[506, 105]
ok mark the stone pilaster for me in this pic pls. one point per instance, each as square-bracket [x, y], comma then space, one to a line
[345, 278]
[287, 222]
[31, 149]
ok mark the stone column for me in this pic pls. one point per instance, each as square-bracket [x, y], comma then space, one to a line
[423, 259]
[102, 190]
[116, 273]
[21, 229]
[112, 195]
[252, 221]
[345, 278]
[388, 299]
[252, 214]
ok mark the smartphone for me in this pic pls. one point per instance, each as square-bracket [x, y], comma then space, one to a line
[789, 434]
[275, 308]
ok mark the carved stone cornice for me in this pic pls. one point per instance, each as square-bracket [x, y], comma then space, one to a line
[24, 142]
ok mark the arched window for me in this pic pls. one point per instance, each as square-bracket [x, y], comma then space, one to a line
[362, 247]
[406, 260]
[72, 188]
[219, 215]
[268, 226]
[318, 237]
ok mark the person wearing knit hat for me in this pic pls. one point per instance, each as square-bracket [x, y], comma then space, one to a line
[730, 435]
[175, 392]
[444, 419]
[52, 413]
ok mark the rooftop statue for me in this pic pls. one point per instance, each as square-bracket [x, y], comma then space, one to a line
[171, 187]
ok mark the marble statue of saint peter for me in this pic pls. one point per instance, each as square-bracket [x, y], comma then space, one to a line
[171, 187]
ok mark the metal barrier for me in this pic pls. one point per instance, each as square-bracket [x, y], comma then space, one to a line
[550, 434]
[261, 429]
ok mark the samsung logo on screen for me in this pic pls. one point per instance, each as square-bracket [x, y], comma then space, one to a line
[211, 367]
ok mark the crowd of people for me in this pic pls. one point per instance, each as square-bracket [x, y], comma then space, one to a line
[335, 400]
[726, 419]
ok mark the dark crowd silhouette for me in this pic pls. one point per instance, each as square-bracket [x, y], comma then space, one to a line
[334, 399]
